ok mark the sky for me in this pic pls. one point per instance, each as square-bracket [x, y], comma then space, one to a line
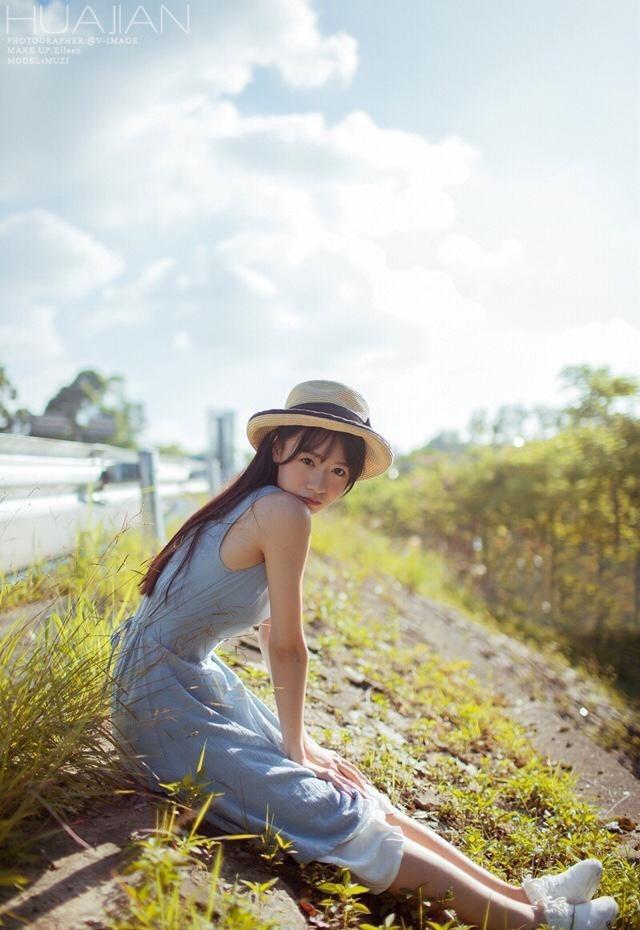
[433, 202]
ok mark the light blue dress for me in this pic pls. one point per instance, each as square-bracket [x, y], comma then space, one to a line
[174, 695]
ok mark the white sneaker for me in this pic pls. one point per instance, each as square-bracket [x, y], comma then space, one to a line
[576, 884]
[590, 915]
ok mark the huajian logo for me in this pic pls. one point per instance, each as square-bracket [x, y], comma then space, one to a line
[117, 23]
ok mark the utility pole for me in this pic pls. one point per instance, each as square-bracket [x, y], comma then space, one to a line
[222, 458]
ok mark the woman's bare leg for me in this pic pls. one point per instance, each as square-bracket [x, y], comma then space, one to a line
[473, 901]
[427, 838]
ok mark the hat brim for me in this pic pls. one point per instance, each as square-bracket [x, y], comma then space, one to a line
[378, 455]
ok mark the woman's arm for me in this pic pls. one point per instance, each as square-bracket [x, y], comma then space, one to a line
[263, 641]
[312, 750]
[284, 534]
[289, 673]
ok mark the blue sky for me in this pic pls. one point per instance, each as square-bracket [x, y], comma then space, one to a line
[433, 202]
[544, 82]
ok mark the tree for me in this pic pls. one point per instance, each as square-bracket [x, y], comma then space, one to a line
[478, 427]
[548, 421]
[128, 417]
[509, 423]
[598, 390]
[93, 400]
[7, 393]
[80, 400]
[446, 441]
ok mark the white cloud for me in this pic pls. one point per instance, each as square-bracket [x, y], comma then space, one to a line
[460, 250]
[46, 264]
[32, 335]
[170, 73]
[155, 274]
[256, 281]
[344, 301]
[578, 264]
[287, 320]
[132, 303]
[42, 256]
[182, 340]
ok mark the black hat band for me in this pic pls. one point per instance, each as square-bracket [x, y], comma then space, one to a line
[335, 409]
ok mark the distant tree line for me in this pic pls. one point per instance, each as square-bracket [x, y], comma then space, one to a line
[547, 530]
[91, 408]
[599, 393]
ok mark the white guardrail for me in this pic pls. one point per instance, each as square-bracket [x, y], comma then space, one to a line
[51, 488]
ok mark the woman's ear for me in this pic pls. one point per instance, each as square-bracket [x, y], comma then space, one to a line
[276, 451]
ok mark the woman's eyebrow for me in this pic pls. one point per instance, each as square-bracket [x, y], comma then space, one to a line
[323, 457]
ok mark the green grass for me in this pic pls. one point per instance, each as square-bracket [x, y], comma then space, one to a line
[158, 882]
[501, 803]
[56, 754]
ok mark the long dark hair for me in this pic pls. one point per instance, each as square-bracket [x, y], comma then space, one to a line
[260, 471]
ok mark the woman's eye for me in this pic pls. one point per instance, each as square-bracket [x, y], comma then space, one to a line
[340, 471]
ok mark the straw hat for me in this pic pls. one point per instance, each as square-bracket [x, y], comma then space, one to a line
[330, 405]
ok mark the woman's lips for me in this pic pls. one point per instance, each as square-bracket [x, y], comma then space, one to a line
[308, 500]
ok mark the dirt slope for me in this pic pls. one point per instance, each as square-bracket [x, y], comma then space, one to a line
[563, 715]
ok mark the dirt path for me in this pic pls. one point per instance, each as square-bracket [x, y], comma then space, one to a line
[561, 713]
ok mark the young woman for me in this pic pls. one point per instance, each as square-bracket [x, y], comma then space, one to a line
[237, 562]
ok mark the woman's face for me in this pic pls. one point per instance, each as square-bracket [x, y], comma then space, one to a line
[316, 482]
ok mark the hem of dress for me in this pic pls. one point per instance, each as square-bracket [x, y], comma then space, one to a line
[386, 835]
[390, 844]
[305, 858]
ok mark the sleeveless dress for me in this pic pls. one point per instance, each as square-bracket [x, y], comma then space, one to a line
[176, 702]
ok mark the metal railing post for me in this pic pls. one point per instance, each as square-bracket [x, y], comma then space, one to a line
[45, 524]
[152, 518]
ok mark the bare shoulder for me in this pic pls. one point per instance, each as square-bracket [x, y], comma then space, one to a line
[281, 514]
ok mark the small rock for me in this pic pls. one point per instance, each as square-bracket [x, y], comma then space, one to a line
[468, 767]
[427, 818]
[389, 732]
[427, 800]
[627, 824]
[353, 675]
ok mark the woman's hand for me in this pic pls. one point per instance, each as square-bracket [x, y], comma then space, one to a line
[332, 774]
[341, 772]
